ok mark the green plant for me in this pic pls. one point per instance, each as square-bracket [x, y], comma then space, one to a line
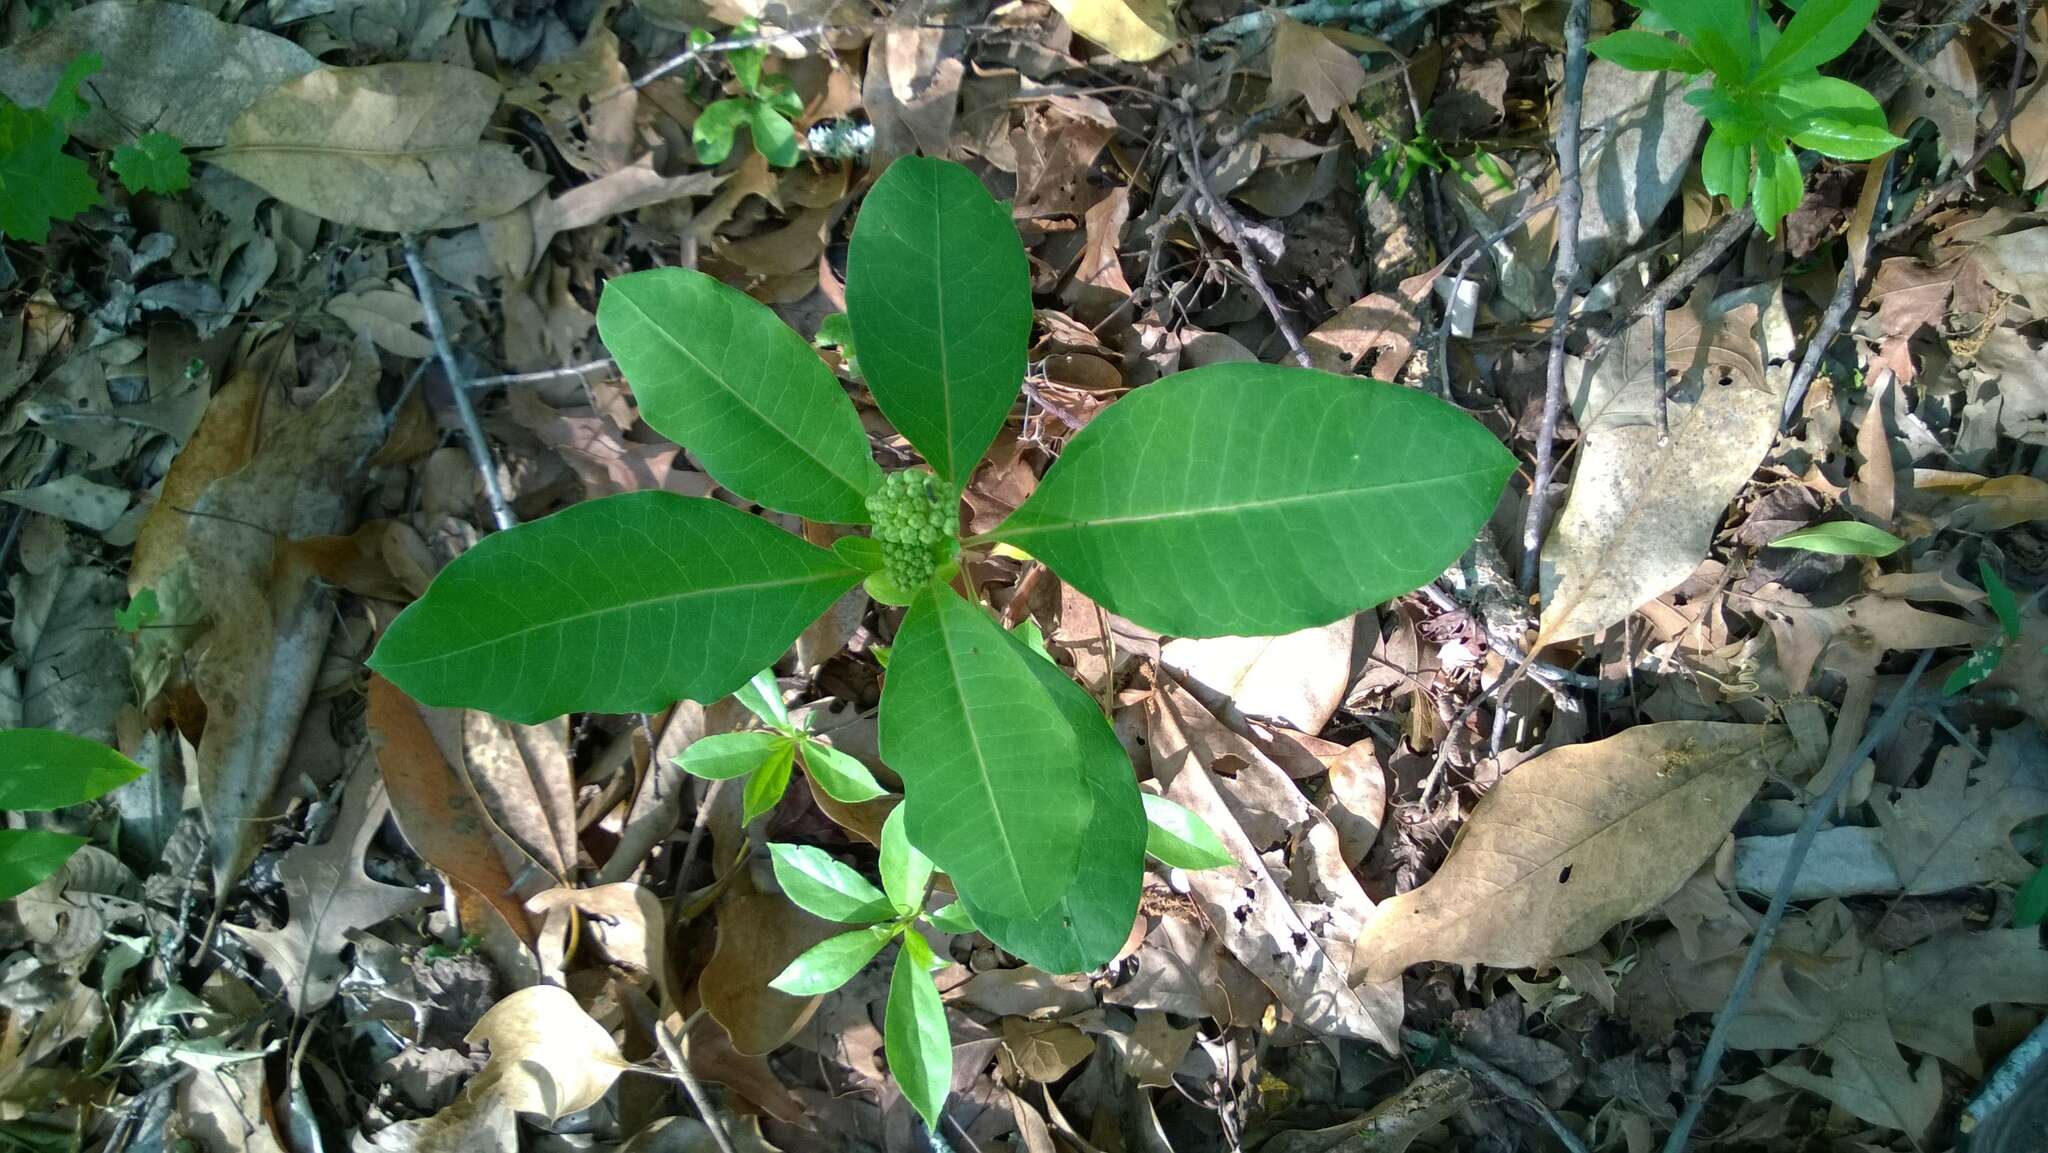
[1982, 663]
[41, 769]
[1767, 94]
[1394, 168]
[1841, 538]
[766, 759]
[1231, 499]
[767, 107]
[39, 181]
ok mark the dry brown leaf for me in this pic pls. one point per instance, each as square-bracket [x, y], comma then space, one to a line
[164, 67]
[387, 317]
[436, 809]
[1575, 841]
[1379, 330]
[1134, 30]
[1358, 800]
[548, 1057]
[759, 934]
[330, 896]
[1641, 515]
[1045, 1050]
[1987, 504]
[1307, 965]
[393, 147]
[635, 186]
[1958, 829]
[269, 629]
[1308, 64]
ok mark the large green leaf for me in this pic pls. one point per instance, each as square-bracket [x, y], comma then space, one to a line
[1256, 500]
[46, 769]
[991, 769]
[1087, 926]
[823, 887]
[1820, 31]
[625, 604]
[28, 856]
[719, 373]
[939, 296]
[832, 962]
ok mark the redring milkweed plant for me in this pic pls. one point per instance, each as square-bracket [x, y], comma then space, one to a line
[1767, 90]
[1231, 499]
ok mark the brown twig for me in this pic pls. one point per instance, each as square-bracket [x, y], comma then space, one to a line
[684, 57]
[1660, 372]
[1468, 251]
[1225, 220]
[1839, 306]
[1503, 1082]
[1564, 282]
[1717, 1043]
[650, 1019]
[544, 376]
[472, 428]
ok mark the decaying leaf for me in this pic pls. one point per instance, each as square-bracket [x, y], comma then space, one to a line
[1308, 64]
[1574, 842]
[395, 147]
[1641, 515]
[548, 1058]
[1136, 30]
[1958, 829]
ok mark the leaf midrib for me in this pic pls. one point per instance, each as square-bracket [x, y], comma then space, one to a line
[1009, 534]
[852, 484]
[1009, 856]
[626, 606]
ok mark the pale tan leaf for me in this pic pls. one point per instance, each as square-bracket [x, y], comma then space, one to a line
[1575, 841]
[1308, 64]
[1134, 30]
[547, 1056]
[1641, 515]
[1298, 679]
[1958, 829]
[1045, 1050]
[387, 317]
[759, 934]
[1869, 1077]
[1377, 331]
[394, 147]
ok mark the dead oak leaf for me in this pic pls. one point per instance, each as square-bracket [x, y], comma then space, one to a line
[1308, 64]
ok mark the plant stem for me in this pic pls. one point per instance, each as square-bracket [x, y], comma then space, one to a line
[1563, 282]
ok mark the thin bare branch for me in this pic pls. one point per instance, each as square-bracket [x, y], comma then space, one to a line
[472, 428]
[1225, 219]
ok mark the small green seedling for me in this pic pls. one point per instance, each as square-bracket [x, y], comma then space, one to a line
[1395, 167]
[156, 162]
[1767, 94]
[765, 759]
[39, 181]
[767, 107]
[1234, 499]
[1982, 663]
[40, 770]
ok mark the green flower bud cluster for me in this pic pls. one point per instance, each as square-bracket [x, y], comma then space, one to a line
[915, 523]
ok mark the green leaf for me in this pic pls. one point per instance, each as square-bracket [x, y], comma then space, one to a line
[1717, 29]
[625, 604]
[825, 888]
[38, 181]
[1821, 31]
[713, 132]
[939, 295]
[763, 697]
[1842, 538]
[1778, 186]
[832, 962]
[723, 756]
[953, 918]
[765, 787]
[1089, 925]
[1724, 164]
[773, 135]
[65, 103]
[843, 777]
[1846, 141]
[1640, 51]
[46, 769]
[991, 770]
[29, 856]
[718, 372]
[2030, 904]
[1257, 500]
[142, 610]
[914, 1033]
[154, 163]
[1980, 664]
[1177, 836]
[905, 871]
[2004, 604]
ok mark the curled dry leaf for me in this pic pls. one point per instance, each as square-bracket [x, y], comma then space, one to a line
[759, 934]
[394, 147]
[1575, 841]
[437, 809]
[547, 1056]
[1641, 515]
